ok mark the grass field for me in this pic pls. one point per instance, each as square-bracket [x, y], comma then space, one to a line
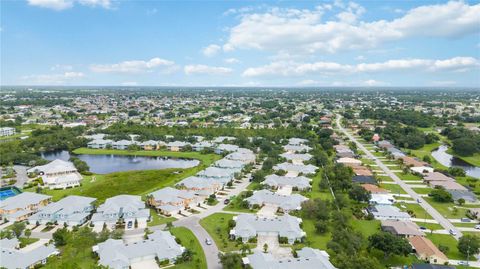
[132, 182]
[473, 160]
[393, 188]
[217, 226]
[450, 242]
[235, 206]
[426, 150]
[157, 219]
[408, 176]
[316, 192]
[189, 241]
[446, 209]
[416, 209]
[422, 190]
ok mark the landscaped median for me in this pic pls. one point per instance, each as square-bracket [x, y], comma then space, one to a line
[133, 182]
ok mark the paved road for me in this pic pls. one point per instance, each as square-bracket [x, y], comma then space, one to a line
[447, 225]
[21, 177]
[192, 223]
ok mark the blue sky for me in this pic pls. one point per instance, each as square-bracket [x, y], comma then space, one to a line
[234, 43]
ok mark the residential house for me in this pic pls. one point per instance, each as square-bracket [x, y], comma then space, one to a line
[223, 175]
[362, 171]
[275, 182]
[426, 251]
[401, 228]
[436, 176]
[58, 174]
[396, 153]
[99, 143]
[7, 131]
[373, 189]
[222, 139]
[72, 210]
[23, 205]
[413, 162]
[466, 195]
[297, 157]
[128, 210]
[222, 148]
[199, 146]
[201, 186]
[296, 148]
[308, 169]
[151, 145]
[160, 245]
[249, 226]
[229, 164]
[13, 258]
[382, 199]
[385, 212]
[384, 144]
[177, 145]
[284, 202]
[122, 144]
[431, 266]
[297, 141]
[364, 180]
[307, 258]
[169, 200]
[347, 160]
[246, 157]
[422, 169]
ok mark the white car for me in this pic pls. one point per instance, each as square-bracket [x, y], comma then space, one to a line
[452, 232]
[208, 241]
[477, 226]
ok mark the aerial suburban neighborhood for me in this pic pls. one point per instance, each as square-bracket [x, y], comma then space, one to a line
[239, 134]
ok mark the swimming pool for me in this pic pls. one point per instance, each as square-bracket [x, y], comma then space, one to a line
[6, 192]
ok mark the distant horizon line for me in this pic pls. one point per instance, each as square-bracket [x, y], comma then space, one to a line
[250, 87]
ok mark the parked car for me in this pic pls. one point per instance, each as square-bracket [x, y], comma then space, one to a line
[477, 226]
[465, 220]
[208, 241]
[226, 202]
[422, 228]
[452, 232]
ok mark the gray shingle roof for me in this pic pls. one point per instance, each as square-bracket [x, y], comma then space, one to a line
[248, 226]
[23, 200]
[300, 182]
[286, 202]
[119, 206]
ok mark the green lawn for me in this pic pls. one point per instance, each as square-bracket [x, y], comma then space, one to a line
[217, 226]
[393, 188]
[417, 210]
[408, 176]
[366, 227]
[450, 242]
[132, 182]
[446, 209]
[426, 150]
[473, 160]
[314, 239]
[24, 241]
[234, 205]
[316, 192]
[157, 219]
[430, 226]
[422, 190]
[189, 241]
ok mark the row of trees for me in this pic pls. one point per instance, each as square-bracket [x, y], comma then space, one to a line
[464, 141]
[405, 137]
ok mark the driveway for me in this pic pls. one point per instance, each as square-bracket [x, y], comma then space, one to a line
[268, 211]
[447, 225]
[146, 264]
[21, 175]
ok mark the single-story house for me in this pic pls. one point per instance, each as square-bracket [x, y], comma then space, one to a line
[229, 164]
[222, 139]
[382, 199]
[347, 160]
[374, 188]
[431, 266]
[12, 258]
[199, 146]
[274, 181]
[177, 145]
[401, 228]
[297, 168]
[243, 156]
[72, 210]
[221, 148]
[122, 144]
[426, 251]
[201, 186]
[396, 153]
[362, 171]
[130, 209]
[422, 169]
[364, 180]
[307, 258]
[249, 226]
[99, 143]
[413, 162]
[223, 175]
[58, 174]
[169, 200]
[297, 141]
[384, 144]
[160, 245]
[151, 145]
[447, 185]
[296, 148]
[23, 205]
[296, 157]
[285, 202]
[436, 176]
[466, 195]
[385, 212]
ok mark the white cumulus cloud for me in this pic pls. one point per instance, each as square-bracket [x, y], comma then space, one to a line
[205, 69]
[305, 30]
[134, 66]
[66, 4]
[211, 50]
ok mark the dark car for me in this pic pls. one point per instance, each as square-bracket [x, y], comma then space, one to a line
[226, 202]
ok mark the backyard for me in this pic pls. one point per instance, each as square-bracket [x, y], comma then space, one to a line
[189, 241]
